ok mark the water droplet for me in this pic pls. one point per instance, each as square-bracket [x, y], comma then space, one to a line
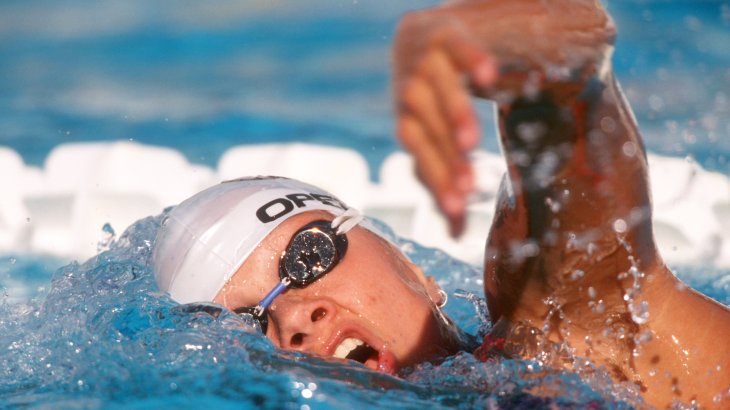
[550, 203]
[13, 261]
[619, 226]
[531, 131]
[591, 248]
[642, 337]
[639, 312]
[629, 149]
[529, 250]
[591, 292]
[656, 103]
[608, 125]
[577, 274]
[107, 238]
[597, 307]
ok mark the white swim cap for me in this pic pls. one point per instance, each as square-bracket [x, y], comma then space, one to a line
[203, 241]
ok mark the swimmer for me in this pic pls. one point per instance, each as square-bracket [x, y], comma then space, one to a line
[570, 257]
[311, 271]
[571, 244]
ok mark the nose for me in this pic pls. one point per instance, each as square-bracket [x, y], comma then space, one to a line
[304, 324]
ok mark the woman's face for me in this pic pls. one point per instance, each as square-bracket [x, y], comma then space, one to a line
[374, 306]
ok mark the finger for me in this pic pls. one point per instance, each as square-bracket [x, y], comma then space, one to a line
[438, 99]
[424, 105]
[421, 104]
[454, 101]
[419, 100]
[469, 57]
[435, 172]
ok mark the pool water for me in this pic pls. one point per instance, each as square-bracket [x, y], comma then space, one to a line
[176, 73]
[102, 336]
[202, 78]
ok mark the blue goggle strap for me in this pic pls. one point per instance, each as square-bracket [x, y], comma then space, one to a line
[269, 298]
[343, 223]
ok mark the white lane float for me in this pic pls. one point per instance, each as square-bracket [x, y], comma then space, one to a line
[13, 213]
[61, 208]
[338, 170]
[84, 186]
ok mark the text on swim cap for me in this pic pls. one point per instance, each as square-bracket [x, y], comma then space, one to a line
[279, 207]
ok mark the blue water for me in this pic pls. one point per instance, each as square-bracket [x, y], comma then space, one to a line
[103, 336]
[177, 73]
[202, 78]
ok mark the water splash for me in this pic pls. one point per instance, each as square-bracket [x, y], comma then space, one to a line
[480, 308]
[105, 336]
[107, 238]
[639, 309]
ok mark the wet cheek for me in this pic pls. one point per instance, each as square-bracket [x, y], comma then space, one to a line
[394, 313]
[364, 303]
[371, 300]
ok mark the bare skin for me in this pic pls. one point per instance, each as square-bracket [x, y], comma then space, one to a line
[374, 294]
[571, 249]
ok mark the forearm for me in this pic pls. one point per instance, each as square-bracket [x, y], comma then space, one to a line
[578, 164]
[582, 181]
[579, 216]
[571, 248]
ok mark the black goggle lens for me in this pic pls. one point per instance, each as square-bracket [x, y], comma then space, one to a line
[312, 252]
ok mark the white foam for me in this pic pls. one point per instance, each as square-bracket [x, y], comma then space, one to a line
[61, 208]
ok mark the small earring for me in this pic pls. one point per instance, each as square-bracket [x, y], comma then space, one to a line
[444, 298]
[440, 305]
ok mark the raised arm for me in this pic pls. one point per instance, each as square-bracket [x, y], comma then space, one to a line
[571, 249]
[445, 54]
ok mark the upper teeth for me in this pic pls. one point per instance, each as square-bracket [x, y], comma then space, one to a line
[347, 346]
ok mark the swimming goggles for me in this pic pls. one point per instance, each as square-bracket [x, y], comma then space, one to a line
[313, 251]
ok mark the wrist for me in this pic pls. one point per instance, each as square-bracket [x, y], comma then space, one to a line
[562, 87]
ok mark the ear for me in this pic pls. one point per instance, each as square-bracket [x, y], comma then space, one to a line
[433, 290]
[437, 295]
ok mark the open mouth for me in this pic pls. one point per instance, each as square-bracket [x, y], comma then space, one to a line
[357, 350]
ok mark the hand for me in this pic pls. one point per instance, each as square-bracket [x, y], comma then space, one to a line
[491, 49]
[436, 64]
